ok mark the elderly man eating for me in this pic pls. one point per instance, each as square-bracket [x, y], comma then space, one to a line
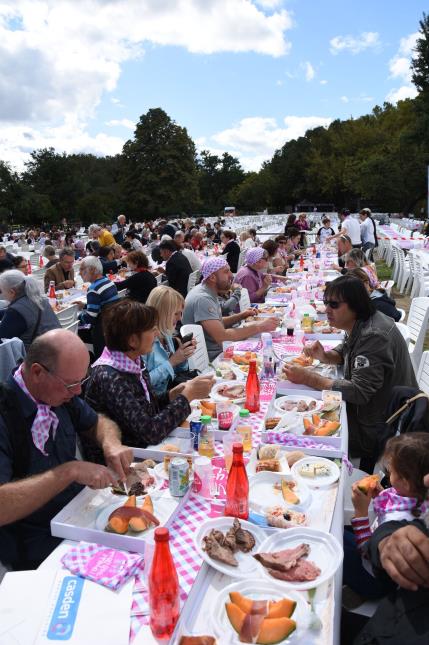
[40, 416]
[202, 306]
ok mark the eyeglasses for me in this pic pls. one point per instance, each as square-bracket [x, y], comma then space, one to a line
[333, 304]
[68, 386]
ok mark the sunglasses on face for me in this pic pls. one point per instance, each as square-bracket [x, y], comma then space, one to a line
[333, 304]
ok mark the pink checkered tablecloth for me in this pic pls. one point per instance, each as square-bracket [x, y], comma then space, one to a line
[195, 511]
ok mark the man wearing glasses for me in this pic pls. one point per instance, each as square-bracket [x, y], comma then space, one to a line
[40, 415]
[374, 357]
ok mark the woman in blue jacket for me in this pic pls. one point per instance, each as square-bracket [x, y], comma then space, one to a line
[166, 361]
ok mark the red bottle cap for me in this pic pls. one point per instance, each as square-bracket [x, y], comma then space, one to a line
[237, 448]
[162, 534]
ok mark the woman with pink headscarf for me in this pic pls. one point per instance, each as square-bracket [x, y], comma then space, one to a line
[251, 275]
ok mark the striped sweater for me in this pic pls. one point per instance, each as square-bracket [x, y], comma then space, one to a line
[100, 293]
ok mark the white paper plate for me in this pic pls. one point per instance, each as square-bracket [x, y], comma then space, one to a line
[214, 394]
[258, 589]
[262, 493]
[290, 359]
[181, 442]
[325, 551]
[247, 565]
[163, 507]
[317, 482]
[251, 466]
[291, 397]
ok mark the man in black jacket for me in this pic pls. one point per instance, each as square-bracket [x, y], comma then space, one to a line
[177, 267]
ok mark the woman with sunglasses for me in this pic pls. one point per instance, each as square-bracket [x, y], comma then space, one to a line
[374, 357]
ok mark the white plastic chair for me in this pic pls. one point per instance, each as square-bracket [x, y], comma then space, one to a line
[417, 323]
[387, 286]
[73, 327]
[200, 359]
[242, 258]
[68, 316]
[192, 280]
[244, 299]
[405, 332]
[423, 373]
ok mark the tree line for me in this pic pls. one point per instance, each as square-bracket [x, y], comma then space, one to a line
[378, 160]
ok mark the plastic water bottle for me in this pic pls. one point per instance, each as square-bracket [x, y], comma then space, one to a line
[267, 356]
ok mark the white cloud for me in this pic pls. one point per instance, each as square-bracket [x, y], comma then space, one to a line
[58, 57]
[355, 44]
[399, 68]
[309, 71]
[344, 99]
[255, 139]
[323, 82]
[125, 123]
[279, 83]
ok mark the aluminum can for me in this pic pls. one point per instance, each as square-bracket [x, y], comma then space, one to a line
[178, 477]
[195, 427]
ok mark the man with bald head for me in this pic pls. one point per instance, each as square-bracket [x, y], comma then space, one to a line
[40, 416]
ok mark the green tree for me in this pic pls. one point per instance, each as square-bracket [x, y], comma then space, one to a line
[159, 172]
[218, 176]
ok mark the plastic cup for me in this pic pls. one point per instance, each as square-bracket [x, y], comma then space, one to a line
[203, 474]
[228, 440]
[228, 349]
[188, 443]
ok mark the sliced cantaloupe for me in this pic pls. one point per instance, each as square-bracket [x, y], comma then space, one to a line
[131, 501]
[289, 495]
[147, 504]
[273, 630]
[368, 484]
[307, 423]
[283, 608]
[327, 429]
[139, 524]
[118, 525]
[316, 419]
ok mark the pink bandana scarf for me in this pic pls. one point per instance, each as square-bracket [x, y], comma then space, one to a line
[121, 362]
[389, 500]
[44, 419]
[212, 265]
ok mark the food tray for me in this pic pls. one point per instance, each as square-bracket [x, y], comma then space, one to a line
[73, 523]
[339, 442]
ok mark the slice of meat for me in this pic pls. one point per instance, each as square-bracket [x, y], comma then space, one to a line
[218, 552]
[302, 406]
[289, 406]
[312, 405]
[283, 560]
[304, 571]
[245, 540]
[251, 627]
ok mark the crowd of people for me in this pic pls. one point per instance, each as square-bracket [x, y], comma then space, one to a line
[136, 386]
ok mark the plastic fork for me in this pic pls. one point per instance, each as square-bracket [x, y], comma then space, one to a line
[315, 624]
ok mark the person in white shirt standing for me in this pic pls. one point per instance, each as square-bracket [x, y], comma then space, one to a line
[367, 229]
[350, 227]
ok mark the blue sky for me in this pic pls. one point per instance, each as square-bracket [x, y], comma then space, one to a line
[242, 76]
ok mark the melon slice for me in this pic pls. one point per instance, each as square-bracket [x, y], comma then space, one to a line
[131, 501]
[289, 495]
[368, 484]
[276, 608]
[327, 429]
[139, 524]
[147, 504]
[273, 630]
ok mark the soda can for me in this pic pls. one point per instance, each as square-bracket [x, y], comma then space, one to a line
[195, 427]
[178, 477]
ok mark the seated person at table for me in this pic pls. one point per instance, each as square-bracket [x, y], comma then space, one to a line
[140, 284]
[324, 231]
[61, 272]
[177, 267]
[165, 362]
[252, 275]
[378, 296]
[374, 357]
[6, 259]
[107, 259]
[202, 307]
[119, 385]
[20, 263]
[101, 235]
[398, 552]
[229, 300]
[276, 263]
[293, 244]
[355, 259]
[40, 416]
[101, 293]
[50, 254]
[29, 313]
[344, 245]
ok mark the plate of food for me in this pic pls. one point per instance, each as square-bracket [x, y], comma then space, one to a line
[259, 611]
[317, 472]
[227, 544]
[318, 425]
[225, 371]
[229, 391]
[140, 480]
[300, 558]
[301, 360]
[272, 458]
[270, 489]
[297, 404]
[137, 516]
